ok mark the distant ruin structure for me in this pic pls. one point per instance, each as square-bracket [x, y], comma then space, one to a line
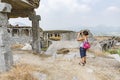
[108, 44]
[58, 35]
[22, 34]
[14, 9]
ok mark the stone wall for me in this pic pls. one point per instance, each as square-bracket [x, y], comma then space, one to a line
[22, 34]
[21, 40]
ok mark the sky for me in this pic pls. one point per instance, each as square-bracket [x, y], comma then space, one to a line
[74, 14]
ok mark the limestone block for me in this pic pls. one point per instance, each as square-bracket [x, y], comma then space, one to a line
[5, 7]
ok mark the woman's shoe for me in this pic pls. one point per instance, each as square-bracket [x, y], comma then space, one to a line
[83, 64]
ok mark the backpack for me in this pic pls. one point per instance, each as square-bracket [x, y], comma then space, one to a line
[86, 45]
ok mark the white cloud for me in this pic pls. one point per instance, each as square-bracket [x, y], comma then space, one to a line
[90, 1]
[84, 8]
[113, 9]
[70, 5]
[64, 13]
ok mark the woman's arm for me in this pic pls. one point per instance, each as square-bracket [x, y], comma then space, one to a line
[79, 38]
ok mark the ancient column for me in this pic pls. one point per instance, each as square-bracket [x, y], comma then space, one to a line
[20, 32]
[6, 59]
[36, 46]
[10, 32]
[29, 33]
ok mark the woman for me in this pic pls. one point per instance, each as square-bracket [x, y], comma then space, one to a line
[83, 38]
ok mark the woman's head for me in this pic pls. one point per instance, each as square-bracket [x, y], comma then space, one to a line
[85, 33]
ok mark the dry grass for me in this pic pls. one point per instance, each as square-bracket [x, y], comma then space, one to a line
[19, 72]
[97, 52]
[100, 38]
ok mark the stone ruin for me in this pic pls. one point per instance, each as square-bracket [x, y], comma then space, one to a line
[25, 8]
[62, 34]
[107, 44]
[22, 34]
[69, 41]
[14, 9]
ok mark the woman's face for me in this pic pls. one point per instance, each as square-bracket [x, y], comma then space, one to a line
[85, 36]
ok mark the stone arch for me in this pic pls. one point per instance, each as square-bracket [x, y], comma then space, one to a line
[51, 35]
[56, 35]
[59, 35]
[15, 32]
[105, 47]
[8, 30]
[25, 32]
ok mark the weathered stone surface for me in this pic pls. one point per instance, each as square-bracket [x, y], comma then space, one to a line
[36, 45]
[56, 45]
[3, 19]
[21, 8]
[117, 38]
[70, 36]
[63, 51]
[4, 7]
[6, 59]
[21, 40]
[107, 44]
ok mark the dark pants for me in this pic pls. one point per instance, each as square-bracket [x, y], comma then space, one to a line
[82, 52]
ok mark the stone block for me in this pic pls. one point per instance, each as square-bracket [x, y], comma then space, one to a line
[5, 7]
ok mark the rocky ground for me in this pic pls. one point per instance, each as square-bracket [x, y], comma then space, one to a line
[61, 67]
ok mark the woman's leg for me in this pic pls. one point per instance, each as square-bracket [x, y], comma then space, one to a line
[82, 60]
[85, 59]
[82, 54]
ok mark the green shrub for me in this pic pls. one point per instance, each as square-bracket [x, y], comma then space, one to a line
[114, 51]
[118, 51]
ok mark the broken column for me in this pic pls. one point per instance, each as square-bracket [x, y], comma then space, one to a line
[6, 58]
[36, 46]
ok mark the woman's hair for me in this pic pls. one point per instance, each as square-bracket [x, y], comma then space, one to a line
[85, 33]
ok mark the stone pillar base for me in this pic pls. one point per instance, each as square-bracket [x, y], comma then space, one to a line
[6, 58]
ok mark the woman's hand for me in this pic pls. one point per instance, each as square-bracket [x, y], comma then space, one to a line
[79, 38]
[78, 35]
